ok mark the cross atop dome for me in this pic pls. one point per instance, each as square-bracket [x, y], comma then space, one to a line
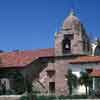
[72, 13]
[71, 20]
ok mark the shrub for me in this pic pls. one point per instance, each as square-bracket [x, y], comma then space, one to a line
[24, 98]
[9, 92]
[61, 97]
[33, 97]
[73, 97]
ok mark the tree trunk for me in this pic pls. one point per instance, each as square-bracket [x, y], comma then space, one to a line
[86, 90]
[70, 90]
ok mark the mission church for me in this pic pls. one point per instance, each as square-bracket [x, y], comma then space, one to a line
[47, 68]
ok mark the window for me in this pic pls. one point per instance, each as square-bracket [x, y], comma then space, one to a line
[52, 87]
[97, 51]
[66, 45]
[5, 83]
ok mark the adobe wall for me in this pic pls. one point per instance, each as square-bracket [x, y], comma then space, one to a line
[61, 66]
[61, 71]
[76, 43]
[44, 78]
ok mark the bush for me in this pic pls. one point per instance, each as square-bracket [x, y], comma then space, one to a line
[1, 93]
[42, 98]
[24, 98]
[61, 97]
[73, 97]
[28, 97]
[7, 92]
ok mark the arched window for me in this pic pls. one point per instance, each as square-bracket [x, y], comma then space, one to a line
[97, 51]
[66, 43]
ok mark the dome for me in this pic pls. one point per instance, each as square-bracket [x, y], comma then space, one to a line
[71, 21]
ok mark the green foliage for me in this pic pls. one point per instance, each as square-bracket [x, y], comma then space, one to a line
[61, 97]
[46, 97]
[7, 92]
[19, 85]
[85, 79]
[18, 79]
[10, 92]
[72, 81]
[74, 97]
[52, 97]
[28, 86]
[24, 98]
[34, 97]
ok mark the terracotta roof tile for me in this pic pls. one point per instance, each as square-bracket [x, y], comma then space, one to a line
[22, 58]
[95, 72]
[85, 59]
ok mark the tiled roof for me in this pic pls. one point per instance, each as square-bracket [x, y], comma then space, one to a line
[22, 58]
[85, 59]
[95, 72]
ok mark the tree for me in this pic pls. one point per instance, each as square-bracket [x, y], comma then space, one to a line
[19, 86]
[29, 86]
[72, 81]
[86, 80]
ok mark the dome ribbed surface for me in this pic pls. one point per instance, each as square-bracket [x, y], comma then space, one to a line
[71, 21]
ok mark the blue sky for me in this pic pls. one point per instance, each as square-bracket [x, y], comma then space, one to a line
[31, 24]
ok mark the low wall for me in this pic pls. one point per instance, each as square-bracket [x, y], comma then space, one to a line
[10, 97]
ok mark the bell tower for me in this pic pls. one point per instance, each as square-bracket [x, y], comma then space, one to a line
[72, 38]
